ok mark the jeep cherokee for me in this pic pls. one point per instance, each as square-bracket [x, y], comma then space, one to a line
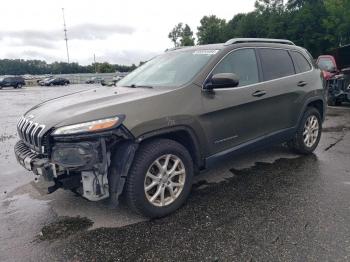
[171, 118]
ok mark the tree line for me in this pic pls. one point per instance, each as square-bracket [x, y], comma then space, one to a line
[39, 67]
[318, 25]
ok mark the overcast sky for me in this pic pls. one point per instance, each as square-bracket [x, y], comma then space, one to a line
[122, 32]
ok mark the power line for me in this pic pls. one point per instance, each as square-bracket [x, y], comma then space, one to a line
[65, 34]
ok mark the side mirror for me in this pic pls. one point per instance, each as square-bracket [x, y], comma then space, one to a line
[222, 80]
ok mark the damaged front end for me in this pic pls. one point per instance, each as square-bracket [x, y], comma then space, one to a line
[80, 162]
[339, 88]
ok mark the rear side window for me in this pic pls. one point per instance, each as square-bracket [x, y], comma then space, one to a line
[300, 62]
[276, 63]
[243, 63]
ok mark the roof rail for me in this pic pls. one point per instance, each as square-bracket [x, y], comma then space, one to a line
[258, 40]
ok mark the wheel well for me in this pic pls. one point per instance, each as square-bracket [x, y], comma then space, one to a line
[318, 104]
[186, 139]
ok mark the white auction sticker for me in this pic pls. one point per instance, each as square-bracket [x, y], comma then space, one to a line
[205, 52]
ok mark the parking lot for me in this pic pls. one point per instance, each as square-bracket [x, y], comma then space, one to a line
[269, 205]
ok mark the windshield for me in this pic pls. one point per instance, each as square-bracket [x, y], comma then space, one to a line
[326, 64]
[169, 69]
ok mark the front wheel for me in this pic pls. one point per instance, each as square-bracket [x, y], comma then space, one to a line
[160, 178]
[308, 134]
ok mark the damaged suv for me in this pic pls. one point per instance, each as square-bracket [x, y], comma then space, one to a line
[174, 116]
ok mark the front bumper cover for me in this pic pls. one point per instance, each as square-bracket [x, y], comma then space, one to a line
[35, 162]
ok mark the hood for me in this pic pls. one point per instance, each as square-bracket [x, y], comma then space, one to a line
[88, 105]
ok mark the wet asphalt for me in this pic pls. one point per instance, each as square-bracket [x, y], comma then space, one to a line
[270, 205]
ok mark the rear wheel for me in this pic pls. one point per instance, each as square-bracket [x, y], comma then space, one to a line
[160, 178]
[19, 86]
[309, 132]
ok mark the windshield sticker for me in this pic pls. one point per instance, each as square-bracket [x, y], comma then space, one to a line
[205, 52]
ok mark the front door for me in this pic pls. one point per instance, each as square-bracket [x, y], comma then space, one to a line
[233, 115]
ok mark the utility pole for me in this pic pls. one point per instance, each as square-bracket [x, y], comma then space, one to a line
[65, 34]
[95, 64]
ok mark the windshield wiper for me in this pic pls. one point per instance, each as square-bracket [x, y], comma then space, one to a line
[141, 86]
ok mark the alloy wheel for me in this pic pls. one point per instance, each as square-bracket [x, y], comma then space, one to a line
[164, 180]
[311, 131]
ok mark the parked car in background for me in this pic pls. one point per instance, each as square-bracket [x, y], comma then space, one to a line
[109, 83]
[173, 117]
[117, 78]
[94, 80]
[59, 81]
[336, 71]
[328, 66]
[12, 81]
[43, 80]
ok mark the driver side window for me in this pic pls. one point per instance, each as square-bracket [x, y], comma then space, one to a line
[243, 63]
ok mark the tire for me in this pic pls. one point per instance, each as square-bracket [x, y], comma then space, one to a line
[51, 84]
[144, 165]
[298, 143]
[19, 86]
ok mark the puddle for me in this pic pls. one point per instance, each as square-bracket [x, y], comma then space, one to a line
[64, 227]
[333, 114]
[335, 129]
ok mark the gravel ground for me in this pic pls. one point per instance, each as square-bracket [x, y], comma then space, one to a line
[269, 205]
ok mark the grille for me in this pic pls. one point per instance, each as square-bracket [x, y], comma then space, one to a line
[31, 134]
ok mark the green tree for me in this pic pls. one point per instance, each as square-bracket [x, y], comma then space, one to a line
[337, 23]
[187, 38]
[175, 34]
[35, 67]
[212, 30]
[181, 35]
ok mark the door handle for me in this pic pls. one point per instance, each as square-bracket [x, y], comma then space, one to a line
[302, 83]
[259, 93]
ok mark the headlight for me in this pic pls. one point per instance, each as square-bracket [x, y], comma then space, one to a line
[92, 126]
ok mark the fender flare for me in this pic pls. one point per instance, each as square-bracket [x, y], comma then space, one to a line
[310, 100]
[198, 158]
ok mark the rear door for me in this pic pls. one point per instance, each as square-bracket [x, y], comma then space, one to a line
[283, 87]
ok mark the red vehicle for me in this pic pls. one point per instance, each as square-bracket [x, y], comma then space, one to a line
[336, 71]
[328, 66]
